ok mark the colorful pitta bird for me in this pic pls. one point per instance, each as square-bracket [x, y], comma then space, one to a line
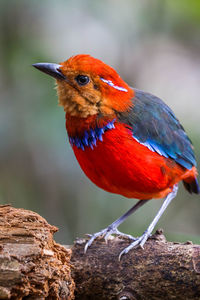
[126, 141]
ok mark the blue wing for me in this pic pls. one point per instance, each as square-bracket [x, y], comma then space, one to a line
[154, 125]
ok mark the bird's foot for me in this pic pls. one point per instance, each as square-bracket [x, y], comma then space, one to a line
[105, 233]
[140, 241]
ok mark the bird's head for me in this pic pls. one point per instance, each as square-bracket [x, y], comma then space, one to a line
[86, 87]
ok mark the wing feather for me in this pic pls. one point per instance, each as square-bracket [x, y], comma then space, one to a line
[154, 125]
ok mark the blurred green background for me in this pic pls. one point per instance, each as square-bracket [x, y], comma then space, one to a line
[153, 44]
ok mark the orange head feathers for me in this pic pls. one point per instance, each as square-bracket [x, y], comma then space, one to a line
[87, 87]
[92, 88]
[90, 91]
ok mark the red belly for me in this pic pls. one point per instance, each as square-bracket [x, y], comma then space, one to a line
[123, 166]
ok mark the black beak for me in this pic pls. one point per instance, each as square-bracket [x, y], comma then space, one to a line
[50, 69]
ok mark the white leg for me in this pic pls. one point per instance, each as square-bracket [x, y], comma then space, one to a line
[142, 239]
[112, 229]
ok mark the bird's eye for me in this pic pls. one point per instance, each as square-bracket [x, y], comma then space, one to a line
[82, 79]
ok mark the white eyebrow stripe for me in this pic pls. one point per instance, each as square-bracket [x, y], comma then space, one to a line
[109, 82]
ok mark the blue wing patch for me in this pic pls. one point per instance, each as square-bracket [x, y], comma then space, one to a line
[154, 125]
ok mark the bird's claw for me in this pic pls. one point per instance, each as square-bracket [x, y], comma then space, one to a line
[93, 237]
[105, 233]
[88, 234]
[140, 241]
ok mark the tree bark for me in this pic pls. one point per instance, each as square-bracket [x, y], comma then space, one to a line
[34, 266]
[162, 270]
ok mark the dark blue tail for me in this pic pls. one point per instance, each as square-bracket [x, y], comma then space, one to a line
[192, 187]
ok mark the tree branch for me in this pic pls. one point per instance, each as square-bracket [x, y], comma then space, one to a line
[162, 270]
[33, 266]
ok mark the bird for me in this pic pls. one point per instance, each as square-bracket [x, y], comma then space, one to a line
[126, 141]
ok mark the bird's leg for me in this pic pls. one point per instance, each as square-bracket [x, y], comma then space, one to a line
[143, 238]
[112, 228]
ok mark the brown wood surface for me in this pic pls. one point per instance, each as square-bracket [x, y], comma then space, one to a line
[162, 270]
[32, 264]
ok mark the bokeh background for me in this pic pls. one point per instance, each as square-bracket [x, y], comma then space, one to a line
[153, 44]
